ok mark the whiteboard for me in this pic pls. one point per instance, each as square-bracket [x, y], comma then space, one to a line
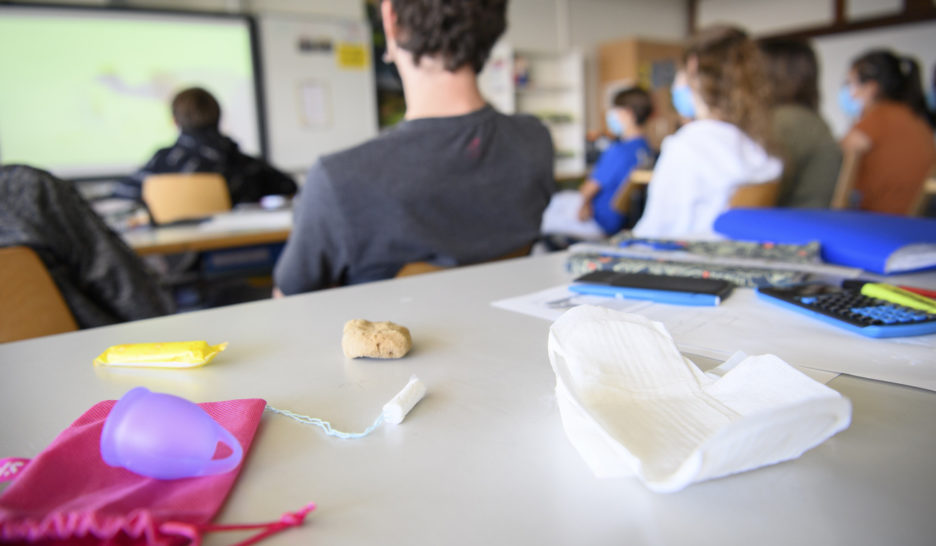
[318, 79]
[836, 52]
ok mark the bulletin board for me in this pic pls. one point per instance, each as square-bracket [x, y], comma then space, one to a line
[319, 87]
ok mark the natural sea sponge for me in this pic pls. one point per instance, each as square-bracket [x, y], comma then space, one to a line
[363, 338]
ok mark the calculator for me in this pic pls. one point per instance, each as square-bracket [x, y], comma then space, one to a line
[849, 309]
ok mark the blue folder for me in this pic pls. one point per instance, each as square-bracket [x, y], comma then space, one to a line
[881, 243]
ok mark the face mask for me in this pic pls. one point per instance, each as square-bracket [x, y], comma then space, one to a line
[931, 100]
[682, 101]
[614, 123]
[849, 104]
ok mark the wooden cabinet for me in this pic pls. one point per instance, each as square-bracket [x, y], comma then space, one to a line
[650, 64]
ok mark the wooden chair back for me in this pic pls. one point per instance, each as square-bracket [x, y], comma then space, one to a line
[418, 268]
[848, 174]
[755, 195]
[185, 196]
[30, 302]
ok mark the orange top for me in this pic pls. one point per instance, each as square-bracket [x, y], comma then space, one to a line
[901, 156]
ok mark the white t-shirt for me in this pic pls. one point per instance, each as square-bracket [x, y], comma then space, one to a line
[699, 169]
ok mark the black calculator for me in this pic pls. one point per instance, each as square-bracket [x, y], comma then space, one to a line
[849, 309]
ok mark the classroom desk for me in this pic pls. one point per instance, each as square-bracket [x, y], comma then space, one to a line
[483, 459]
[641, 177]
[196, 238]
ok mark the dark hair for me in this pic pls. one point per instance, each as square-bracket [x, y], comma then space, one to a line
[898, 79]
[461, 32]
[195, 108]
[793, 71]
[731, 78]
[637, 101]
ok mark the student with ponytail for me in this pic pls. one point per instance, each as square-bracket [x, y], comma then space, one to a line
[727, 96]
[893, 131]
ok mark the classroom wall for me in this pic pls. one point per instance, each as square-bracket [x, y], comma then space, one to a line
[557, 25]
[835, 51]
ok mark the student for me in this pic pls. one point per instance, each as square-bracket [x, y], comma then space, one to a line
[627, 119]
[455, 183]
[588, 213]
[706, 160]
[101, 279]
[811, 155]
[892, 133]
[201, 148]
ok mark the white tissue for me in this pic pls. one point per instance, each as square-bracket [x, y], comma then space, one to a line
[631, 404]
[396, 409]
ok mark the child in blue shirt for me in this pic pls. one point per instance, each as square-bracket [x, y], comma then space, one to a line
[587, 213]
[626, 119]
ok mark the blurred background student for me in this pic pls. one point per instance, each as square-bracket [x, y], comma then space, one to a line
[201, 148]
[708, 159]
[101, 279]
[811, 155]
[588, 213]
[893, 131]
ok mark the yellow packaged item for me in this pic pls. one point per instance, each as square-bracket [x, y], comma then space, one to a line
[174, 354]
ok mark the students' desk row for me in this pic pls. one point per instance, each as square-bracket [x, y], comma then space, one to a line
[229, 230]
[483, 459]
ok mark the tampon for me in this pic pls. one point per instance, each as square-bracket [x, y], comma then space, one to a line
[174, 354]
[396, 409]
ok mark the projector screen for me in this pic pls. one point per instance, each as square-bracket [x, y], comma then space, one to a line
[86, 92]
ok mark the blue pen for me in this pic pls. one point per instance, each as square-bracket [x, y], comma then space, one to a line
[659, 296]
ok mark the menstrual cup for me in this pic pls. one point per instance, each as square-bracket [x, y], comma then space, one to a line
[166, 437]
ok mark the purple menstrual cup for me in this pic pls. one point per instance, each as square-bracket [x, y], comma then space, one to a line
[166, 437]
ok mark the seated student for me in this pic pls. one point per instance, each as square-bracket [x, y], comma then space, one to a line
[201, 148]
[101, 279]
[455, 183]
[893, 131]
[708, 159]
[588, 213]
[811, 155]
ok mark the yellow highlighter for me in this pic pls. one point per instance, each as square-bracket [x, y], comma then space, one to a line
[894, 294]
[174, 354]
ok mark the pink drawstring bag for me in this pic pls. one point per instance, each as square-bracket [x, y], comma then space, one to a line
[69, 495]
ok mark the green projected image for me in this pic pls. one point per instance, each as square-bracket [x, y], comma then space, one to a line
[87, 93]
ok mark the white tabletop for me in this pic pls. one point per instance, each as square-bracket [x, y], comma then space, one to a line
[483, 459]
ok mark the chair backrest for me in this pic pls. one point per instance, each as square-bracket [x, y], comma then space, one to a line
[927, 192]
[848, 174]
[30, 303]
[755, 195]
[418, 268]
[172, 197]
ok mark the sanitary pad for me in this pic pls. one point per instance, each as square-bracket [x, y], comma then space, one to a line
[631, 404]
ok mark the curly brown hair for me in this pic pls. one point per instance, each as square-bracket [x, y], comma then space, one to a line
[461, 32]
[731, 79]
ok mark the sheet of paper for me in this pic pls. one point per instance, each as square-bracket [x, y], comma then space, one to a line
[551, 303]
[314, 100]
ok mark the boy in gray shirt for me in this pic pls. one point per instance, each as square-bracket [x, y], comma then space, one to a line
[455, 183]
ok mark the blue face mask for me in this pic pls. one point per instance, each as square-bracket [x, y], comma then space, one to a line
[614, 123]
[849, 104]
[682, 101]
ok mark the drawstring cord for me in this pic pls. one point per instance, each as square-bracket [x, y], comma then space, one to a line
[194, 532]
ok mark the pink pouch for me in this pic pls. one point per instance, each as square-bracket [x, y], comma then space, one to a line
[69, 495]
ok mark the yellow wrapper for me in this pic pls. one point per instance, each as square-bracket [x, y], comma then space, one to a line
[174, 354]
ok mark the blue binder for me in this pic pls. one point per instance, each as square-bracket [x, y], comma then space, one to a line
[881, 243]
